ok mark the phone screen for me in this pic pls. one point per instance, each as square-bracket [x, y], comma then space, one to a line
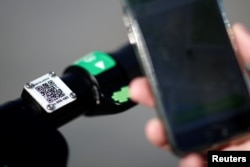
[204, 96]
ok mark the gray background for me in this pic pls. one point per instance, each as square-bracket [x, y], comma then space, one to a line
[39, 36]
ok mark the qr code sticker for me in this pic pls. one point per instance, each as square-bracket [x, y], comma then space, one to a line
[50, 91]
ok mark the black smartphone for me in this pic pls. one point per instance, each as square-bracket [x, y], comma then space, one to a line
[187, 55]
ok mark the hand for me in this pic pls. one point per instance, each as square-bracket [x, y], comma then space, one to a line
[140, 92]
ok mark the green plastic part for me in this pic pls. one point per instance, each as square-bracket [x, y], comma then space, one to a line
[96, 62]
[121, 96]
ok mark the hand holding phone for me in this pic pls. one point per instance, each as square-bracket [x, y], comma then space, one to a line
[185, 51]
[140, 93]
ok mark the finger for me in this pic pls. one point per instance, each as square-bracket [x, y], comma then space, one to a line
[140, 92]
[239, 147]
[192, 160]
[155, 133]
[242, 38]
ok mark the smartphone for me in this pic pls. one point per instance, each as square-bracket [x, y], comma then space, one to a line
[186, 53]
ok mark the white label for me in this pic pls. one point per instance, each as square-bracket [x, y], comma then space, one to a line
[50, 92]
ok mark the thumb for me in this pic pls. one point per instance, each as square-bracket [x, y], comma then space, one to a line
[242, 38]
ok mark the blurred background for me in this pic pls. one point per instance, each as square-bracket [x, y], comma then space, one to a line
[39, 36]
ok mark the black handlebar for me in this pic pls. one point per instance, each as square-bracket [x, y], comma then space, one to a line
[29, 135]
[93, 92]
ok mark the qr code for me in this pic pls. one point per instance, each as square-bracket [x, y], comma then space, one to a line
[50, 91]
